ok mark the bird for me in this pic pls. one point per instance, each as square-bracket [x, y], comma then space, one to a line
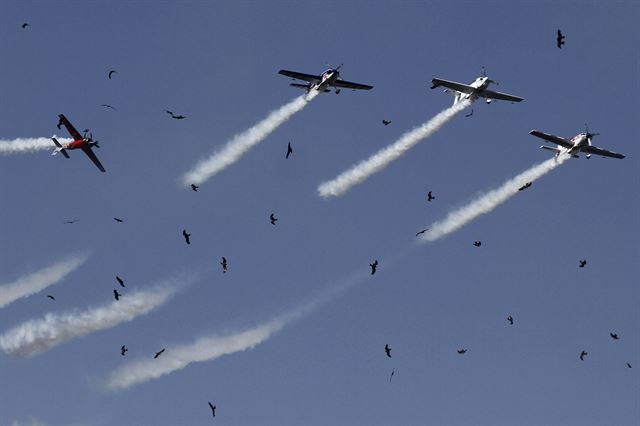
[71, 221]
[583, 263]
[117, 219]
[422, 231]
[120, 281]
[194, 187]
[392, 373]
[510, 319]
[25, 25]
[374, 267]
[186, 236]
[224, 265]
[116, 294]
[289, 150]
[386, 122]
[387, 350]
[461, 351]
[470, 114]
[525, 186]
[582, 355]
[559, 39]
[477, 243]
[213, 409]
[123, 350]
[430, 196]
[108, 106]
[273, 219]
[614, 336]
[51, 297]
[628, 365]
[158, 354]
[177, 117]
[111, 73]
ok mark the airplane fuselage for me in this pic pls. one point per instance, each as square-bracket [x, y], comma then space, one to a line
[78, 144]
[328, 78]
[480, 84]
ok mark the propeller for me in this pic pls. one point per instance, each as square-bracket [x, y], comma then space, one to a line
[336, 68]
[589, 135]
[484, 74]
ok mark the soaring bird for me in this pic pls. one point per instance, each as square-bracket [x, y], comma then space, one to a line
[477, 243]
[123, 350]
[510, 319]
[224, 265]
[273, 219]
[108, 106]
[387, 349]
[583, 263]
[392, 373]
[213, 409]
[461, 351]
[559, 39]
[194, 187]
[116, 294]
[120, 281]
[628, 365]
[614, 336]
[470, 114]
[422, 231]
[186, 236]
[430, 196]
[25, 25]
[289, 150]
[117, 219]
[386, 122]
[374, 267]
[71, 221]
[158, 354]
[111, 73]
[177, 117]
[582, 355]
[525, 186]
[51, 297]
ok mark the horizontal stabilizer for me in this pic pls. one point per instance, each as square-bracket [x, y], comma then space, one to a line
[59, 148]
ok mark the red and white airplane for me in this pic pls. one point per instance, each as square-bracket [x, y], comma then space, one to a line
[579, 143]
[322, 82]
[79, 142]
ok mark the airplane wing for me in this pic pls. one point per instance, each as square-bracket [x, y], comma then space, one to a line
[552, 138]
[301, 76]
[600, 151]
[458, 87]
[72, 130]
[499, 96]
[350, 85]
[92, 156]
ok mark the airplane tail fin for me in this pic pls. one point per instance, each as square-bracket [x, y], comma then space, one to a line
[59, 148]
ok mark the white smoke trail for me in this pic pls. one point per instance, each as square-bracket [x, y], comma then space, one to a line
[39, 280]
[242, 142]
[489, 201]
[38, 335]
[26, 145]
[361, 171]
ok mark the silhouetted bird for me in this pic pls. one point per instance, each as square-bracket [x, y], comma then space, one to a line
[25, 25]
[386, 122]
[186, 236]
[559, 39]
[289, 150]
[71, 221]
[123, 350]
[177, 117]
[583, 263]
[213, 409]
[614, 336]
[117, 219]
[116, 294]
[461, 351]
[582, 355]
[628, 365]
[111, 73]
[158, 354]
[430, 196]
[387, 349]
[374, 267]
[470, 114]
[477, 243]
[224, 265]
[120, 281]
[194, 187]
[108, 106]
[51, 297]
[510, 319]
[392, 373]
[525, 186]
[422, 231]
[273, 219]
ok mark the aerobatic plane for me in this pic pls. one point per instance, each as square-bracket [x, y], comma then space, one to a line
[579, 143]
[323, 82]
[79, 142]
[473, 91]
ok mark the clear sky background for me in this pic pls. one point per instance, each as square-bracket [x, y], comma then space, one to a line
[217, 64]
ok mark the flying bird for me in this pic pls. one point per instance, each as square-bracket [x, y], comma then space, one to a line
[120, 281]
[374, 267]
[123, 350]
[510, 319]
[71, 221]
[628, 365]
[194, 187]
[392, 373]
[387, 350]
[213, 409]
[470, 114]
[422, 231]
[117, 219]
[116, 294]
[158, 354]
[224, 265]
[582, 355]
[430, 196]
[108, 106]
[186, 236]
[386, 122]
[177, 117]
[559, 39]
[111, 73]
[51, 297]
[477, 243]
[614, 336]
[525, 186]
[583, 263]
[289, 150]
[25, 25]
[273, 219]
[461, 351]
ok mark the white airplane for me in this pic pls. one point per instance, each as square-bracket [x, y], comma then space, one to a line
[322, 82]
[579, 143]
[473, 91]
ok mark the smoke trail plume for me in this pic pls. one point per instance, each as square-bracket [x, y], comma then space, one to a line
[242, 142]
[38, 335]
[489, 201]
[26, 145]
[361, 171]
[39, 280]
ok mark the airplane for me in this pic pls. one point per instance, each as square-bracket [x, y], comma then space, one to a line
[79, 142]
[323, 82]
[477, 89]
[579, 143]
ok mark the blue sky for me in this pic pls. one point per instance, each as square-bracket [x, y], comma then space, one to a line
[217, 64]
